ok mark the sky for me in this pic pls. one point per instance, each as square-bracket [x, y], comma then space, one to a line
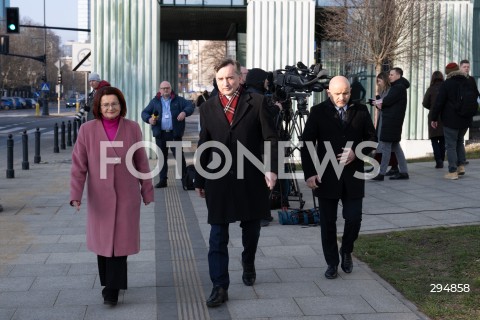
[58, 13]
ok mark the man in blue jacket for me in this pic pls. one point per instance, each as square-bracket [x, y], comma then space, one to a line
[166, 113]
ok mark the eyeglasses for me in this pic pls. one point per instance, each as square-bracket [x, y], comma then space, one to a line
[113, 105]
[165, 88]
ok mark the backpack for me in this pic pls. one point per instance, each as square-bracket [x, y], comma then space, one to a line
[466, 105]
[188, 179]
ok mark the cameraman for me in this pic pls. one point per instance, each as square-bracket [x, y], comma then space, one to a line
[96, 83]
[257, 82]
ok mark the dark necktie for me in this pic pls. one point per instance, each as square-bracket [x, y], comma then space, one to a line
[341, 114]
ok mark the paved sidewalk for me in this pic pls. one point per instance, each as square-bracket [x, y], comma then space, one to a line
[47, 273]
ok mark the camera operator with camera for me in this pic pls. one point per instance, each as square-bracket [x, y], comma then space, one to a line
[96, 83]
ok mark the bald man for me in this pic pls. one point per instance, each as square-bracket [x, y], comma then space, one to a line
[330, 126]
[166, 114]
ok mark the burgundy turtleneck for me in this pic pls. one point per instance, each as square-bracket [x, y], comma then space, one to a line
[111, 127]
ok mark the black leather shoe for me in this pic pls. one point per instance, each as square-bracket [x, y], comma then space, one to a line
[347, 262]
[331, 272]
[249, 275]
[110, 296]
[161, 184]
[217, 297]
[400, 176]
[392, 172]
[379, 177]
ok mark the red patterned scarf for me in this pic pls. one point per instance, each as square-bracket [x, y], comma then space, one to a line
[229, 106]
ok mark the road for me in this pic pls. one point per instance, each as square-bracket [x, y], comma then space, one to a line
[14, 122]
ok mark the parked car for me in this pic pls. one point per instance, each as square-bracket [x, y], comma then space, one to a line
[6, 104]
[72, 101]
[20, 103]
[31, 103]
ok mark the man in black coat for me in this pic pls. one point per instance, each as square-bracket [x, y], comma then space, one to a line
[454, 125]
[394, 106]
[342, 178]
[234, 123]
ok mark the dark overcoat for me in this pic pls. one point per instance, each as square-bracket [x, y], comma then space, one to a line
[324, 128]
[447, 98]
[394, 106]
[428, 102]
[231, 198]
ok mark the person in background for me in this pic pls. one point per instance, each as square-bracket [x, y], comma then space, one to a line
[454, 125]
[234, 117]
[465, 67]
[358, 91]
[435, 134]
[95, 83]
[166, 114]
[114, 196]
[244, 71]
[383, 86]
[336, 122]
[202, 98]
[394, 107]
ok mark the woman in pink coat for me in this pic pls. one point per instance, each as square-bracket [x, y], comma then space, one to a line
[114, 190]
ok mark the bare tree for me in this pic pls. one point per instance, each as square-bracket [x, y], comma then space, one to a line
[19, 72]
[377, 32]
[211, 53]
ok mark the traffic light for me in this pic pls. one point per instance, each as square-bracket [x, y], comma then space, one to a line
[13, 23]
[59, 78]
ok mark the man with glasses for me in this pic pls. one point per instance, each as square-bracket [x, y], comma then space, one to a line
[166, 113]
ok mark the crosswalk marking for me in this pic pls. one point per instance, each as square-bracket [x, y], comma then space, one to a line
[15, 130]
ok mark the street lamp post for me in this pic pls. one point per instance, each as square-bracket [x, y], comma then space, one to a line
[44, 93]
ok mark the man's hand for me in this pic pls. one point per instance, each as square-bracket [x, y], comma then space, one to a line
[312, 182]
[200, 192]
[270, 179]
[347, 156]
[434, 124]
[152, 121]
[181, 116]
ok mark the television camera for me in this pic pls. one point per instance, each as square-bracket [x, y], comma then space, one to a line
[294, 83]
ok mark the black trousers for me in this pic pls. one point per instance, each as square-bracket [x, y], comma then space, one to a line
[162, 144]
[352, 213]
[218, 258]
[113, 272]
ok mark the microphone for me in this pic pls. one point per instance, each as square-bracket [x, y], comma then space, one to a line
[377, 97]
[155, 115]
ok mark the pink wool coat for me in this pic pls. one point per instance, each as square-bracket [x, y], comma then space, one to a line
[113, 204]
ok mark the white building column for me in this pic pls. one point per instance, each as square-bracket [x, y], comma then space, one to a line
[279, 33]
[125, 50]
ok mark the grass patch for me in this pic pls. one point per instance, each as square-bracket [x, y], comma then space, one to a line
[412, 261]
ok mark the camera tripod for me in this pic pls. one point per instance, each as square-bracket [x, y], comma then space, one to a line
[294, 124]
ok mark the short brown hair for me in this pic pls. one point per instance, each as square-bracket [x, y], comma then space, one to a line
[107, 91]
[225, 62]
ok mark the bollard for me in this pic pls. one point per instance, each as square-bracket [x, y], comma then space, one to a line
[10, 171]
[69, 133]
[74, 131]
[25, 163]
[62, 136]
[36, 157]
[55, 139]
[79, 122]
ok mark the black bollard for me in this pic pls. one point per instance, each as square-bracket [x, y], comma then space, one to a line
[10, 171]
[74, 131]
[55, 139]
[62, 136]
[25, 163]
[36, 157]
[79, 122]
[69, 133]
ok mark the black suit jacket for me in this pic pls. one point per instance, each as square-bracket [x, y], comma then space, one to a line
[324, 128]
[230, 198]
